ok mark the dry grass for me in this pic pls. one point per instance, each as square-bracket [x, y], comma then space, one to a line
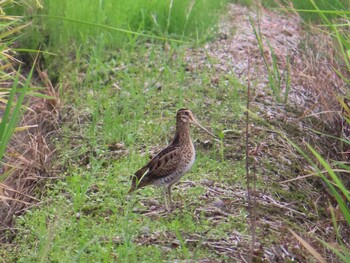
[314, 71]
[312, 106]
[29, 155]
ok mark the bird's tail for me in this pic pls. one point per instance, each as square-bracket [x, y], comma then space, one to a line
[134, 184]
[132, 189]
[137, 179]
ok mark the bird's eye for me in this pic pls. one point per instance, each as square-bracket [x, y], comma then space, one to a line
[186, 113]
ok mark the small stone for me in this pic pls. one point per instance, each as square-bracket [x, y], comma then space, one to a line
[144, 230]
[77, 215]
[218, 203]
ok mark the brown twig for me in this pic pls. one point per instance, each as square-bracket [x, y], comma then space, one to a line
[250, 208]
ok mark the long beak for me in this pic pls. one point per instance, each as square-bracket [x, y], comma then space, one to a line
[195, 122]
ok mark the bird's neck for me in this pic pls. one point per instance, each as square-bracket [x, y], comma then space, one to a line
[182, 135]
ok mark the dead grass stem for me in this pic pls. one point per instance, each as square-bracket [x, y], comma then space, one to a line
[29, 155]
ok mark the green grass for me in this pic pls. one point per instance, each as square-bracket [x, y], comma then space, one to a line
[87, 215]
[335, 185]
[279, 83]
[308, 11]
[11, 96]
[325, 16]
[12, 112]
[130, 96]
[68, 29]
[106, 225]
[57, 25]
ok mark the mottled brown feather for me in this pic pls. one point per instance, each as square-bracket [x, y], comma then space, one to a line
[160, 166]
[168, 166]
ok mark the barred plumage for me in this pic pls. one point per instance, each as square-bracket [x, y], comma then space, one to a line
[170, 164]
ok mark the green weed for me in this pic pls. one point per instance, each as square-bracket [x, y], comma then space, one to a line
[59, 24]
[307, 9]
[279, 83]
[11, 97]
[89, 208]
[338, 191]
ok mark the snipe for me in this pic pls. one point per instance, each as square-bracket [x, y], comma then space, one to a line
[171, 163]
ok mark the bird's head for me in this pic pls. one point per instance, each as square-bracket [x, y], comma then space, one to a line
[186, 116]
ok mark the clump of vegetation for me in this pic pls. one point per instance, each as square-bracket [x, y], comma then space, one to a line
[23, 150]
[13, 90]
[307, 8]
[70, 29]
[328, 17]
[335, 173]
[58, 24]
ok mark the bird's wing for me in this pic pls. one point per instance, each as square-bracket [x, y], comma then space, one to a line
[161, 165]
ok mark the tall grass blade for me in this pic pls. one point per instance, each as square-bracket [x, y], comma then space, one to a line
[111, 28]
[342, 204]
[342, 41]
[288, 81]
[4, 126]
[344, 255]
[273, 71]
[13, 31]
[12, 111]
[330, 171]
[308, 247]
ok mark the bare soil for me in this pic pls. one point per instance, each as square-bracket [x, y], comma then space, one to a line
[292, 196]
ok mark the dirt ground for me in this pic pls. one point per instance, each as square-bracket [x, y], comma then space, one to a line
[312, 106]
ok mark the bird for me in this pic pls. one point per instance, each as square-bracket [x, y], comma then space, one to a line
[171, 163]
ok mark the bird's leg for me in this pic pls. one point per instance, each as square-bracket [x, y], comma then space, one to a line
[166, 195]
[169, 194]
